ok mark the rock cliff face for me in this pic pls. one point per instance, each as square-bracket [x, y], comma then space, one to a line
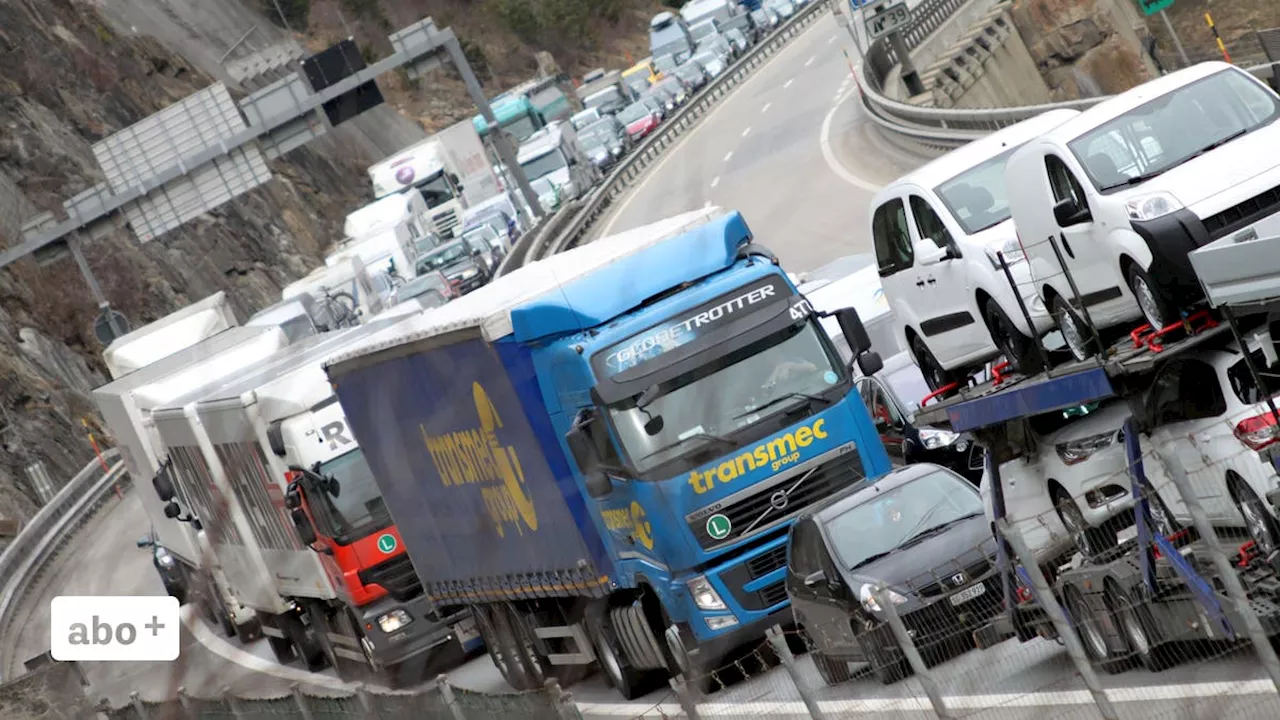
[1083, 48]
[67, 80]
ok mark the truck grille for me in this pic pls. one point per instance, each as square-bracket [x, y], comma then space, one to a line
[1243, 214]
[396, 576]
[754, 513]
[757, 567]
[445, 221]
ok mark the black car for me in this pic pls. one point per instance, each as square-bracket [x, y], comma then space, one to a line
[465, 264]
[892, 396]
[175, 583]
[920, 533]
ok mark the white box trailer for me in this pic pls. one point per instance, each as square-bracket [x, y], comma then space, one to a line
[127, 404]
[169, 334]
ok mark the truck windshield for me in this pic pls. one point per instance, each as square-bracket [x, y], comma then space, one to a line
[1158, 135]
[521, 127]
[436, 191]
[358, 509]
[544, 164]
[727, 395]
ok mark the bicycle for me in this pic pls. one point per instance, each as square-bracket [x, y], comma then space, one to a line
[340, 308]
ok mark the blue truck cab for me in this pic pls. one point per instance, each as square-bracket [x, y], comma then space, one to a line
[603, 451]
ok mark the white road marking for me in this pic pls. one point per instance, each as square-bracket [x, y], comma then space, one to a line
[715, 181]
[830, 157]
[885, 705]
[809, 62]
[674, 151]
[746, 132]
[787, 84]
[831, 39]
[728, 155]
[766, 107]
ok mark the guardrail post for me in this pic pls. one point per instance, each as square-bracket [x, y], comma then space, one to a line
[301, 702]
[562, 701]
[779, 643]
[366, 701]
[446, 692]
[1049, 602]
[138, 706]
[685, 695]
[1230, 580]
[908, 647]
[237, 708]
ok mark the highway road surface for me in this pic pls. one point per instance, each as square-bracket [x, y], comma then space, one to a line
[791, 150]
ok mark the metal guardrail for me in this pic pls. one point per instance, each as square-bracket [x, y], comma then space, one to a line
[947, 128]
[54, 525]
[530, 244]
[632, 167]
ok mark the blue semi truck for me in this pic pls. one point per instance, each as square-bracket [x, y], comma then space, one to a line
[601, 453]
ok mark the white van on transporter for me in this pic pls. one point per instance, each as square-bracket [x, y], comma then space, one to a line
[1130, 187]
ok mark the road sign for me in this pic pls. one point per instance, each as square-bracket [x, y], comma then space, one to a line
[102, 326]
[888, 19]
[1151, 7]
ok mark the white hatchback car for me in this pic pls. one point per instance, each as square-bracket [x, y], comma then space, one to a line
[938, 234]
[1132, 185]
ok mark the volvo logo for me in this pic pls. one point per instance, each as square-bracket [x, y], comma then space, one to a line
[778, 500]
[959, 579]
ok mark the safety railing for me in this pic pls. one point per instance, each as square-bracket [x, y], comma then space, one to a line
[632, 168]
[947, 128]
[31, 551]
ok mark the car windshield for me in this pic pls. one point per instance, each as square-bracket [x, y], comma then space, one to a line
[484, 236]
[726, 395]
[443, 256]
[591, 141]
[907, 385]
[1174, 128]
[706, 58]
[976, 198]
[358, 508]
[420, 285]
[535, 168]
[521, 127]
[890, 519]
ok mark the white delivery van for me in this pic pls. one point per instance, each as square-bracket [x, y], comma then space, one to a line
[1130, 187]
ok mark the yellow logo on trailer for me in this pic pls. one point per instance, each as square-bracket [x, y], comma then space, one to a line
[477, 456]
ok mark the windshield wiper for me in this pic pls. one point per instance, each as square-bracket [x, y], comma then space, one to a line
[717, 439]
[869, 560]
[1216, 144]
[914, 539]
[789, 396]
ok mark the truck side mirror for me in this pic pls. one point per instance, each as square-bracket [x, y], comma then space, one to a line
[583, 448]
[302, 524]
[163, 483]
[854, 331]
[171, 510]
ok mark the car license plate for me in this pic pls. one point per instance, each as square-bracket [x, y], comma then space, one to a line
[968, 594]
[466, 632]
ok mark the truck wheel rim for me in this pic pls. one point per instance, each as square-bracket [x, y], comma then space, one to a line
[1089, 627]
[609, 659]
[1133, 628]
[677, 648]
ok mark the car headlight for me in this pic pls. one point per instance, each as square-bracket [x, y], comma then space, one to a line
[164, 558]
[1152, 206]
[670, 106]
[867, 594]
[1012, 250]
[469, 273]
[705, 596]
[1077, 451]
[394, 620]
[934, 439]
[616, 151]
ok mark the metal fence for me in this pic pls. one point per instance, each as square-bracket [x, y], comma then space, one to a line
[439, 701]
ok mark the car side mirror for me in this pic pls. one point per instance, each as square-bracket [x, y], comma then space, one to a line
[163, 483]
[881, 422]
[146, 541]
[171, 510]
[1067, 213]
[928, 253]
[302, 524]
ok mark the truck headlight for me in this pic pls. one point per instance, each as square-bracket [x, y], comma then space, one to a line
[394, 620]
[934, 439]
[1152, 206]
[705, 596]
[867, 594]
[720, 622]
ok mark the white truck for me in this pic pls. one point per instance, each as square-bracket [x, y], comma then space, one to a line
[298, 524]
[557, 166]
[149, 366]
[449, 169]
[388, 234]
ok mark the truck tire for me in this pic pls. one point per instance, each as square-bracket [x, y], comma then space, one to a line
[614, 663]
[502, 644]
[526, 647]
[308, 648]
